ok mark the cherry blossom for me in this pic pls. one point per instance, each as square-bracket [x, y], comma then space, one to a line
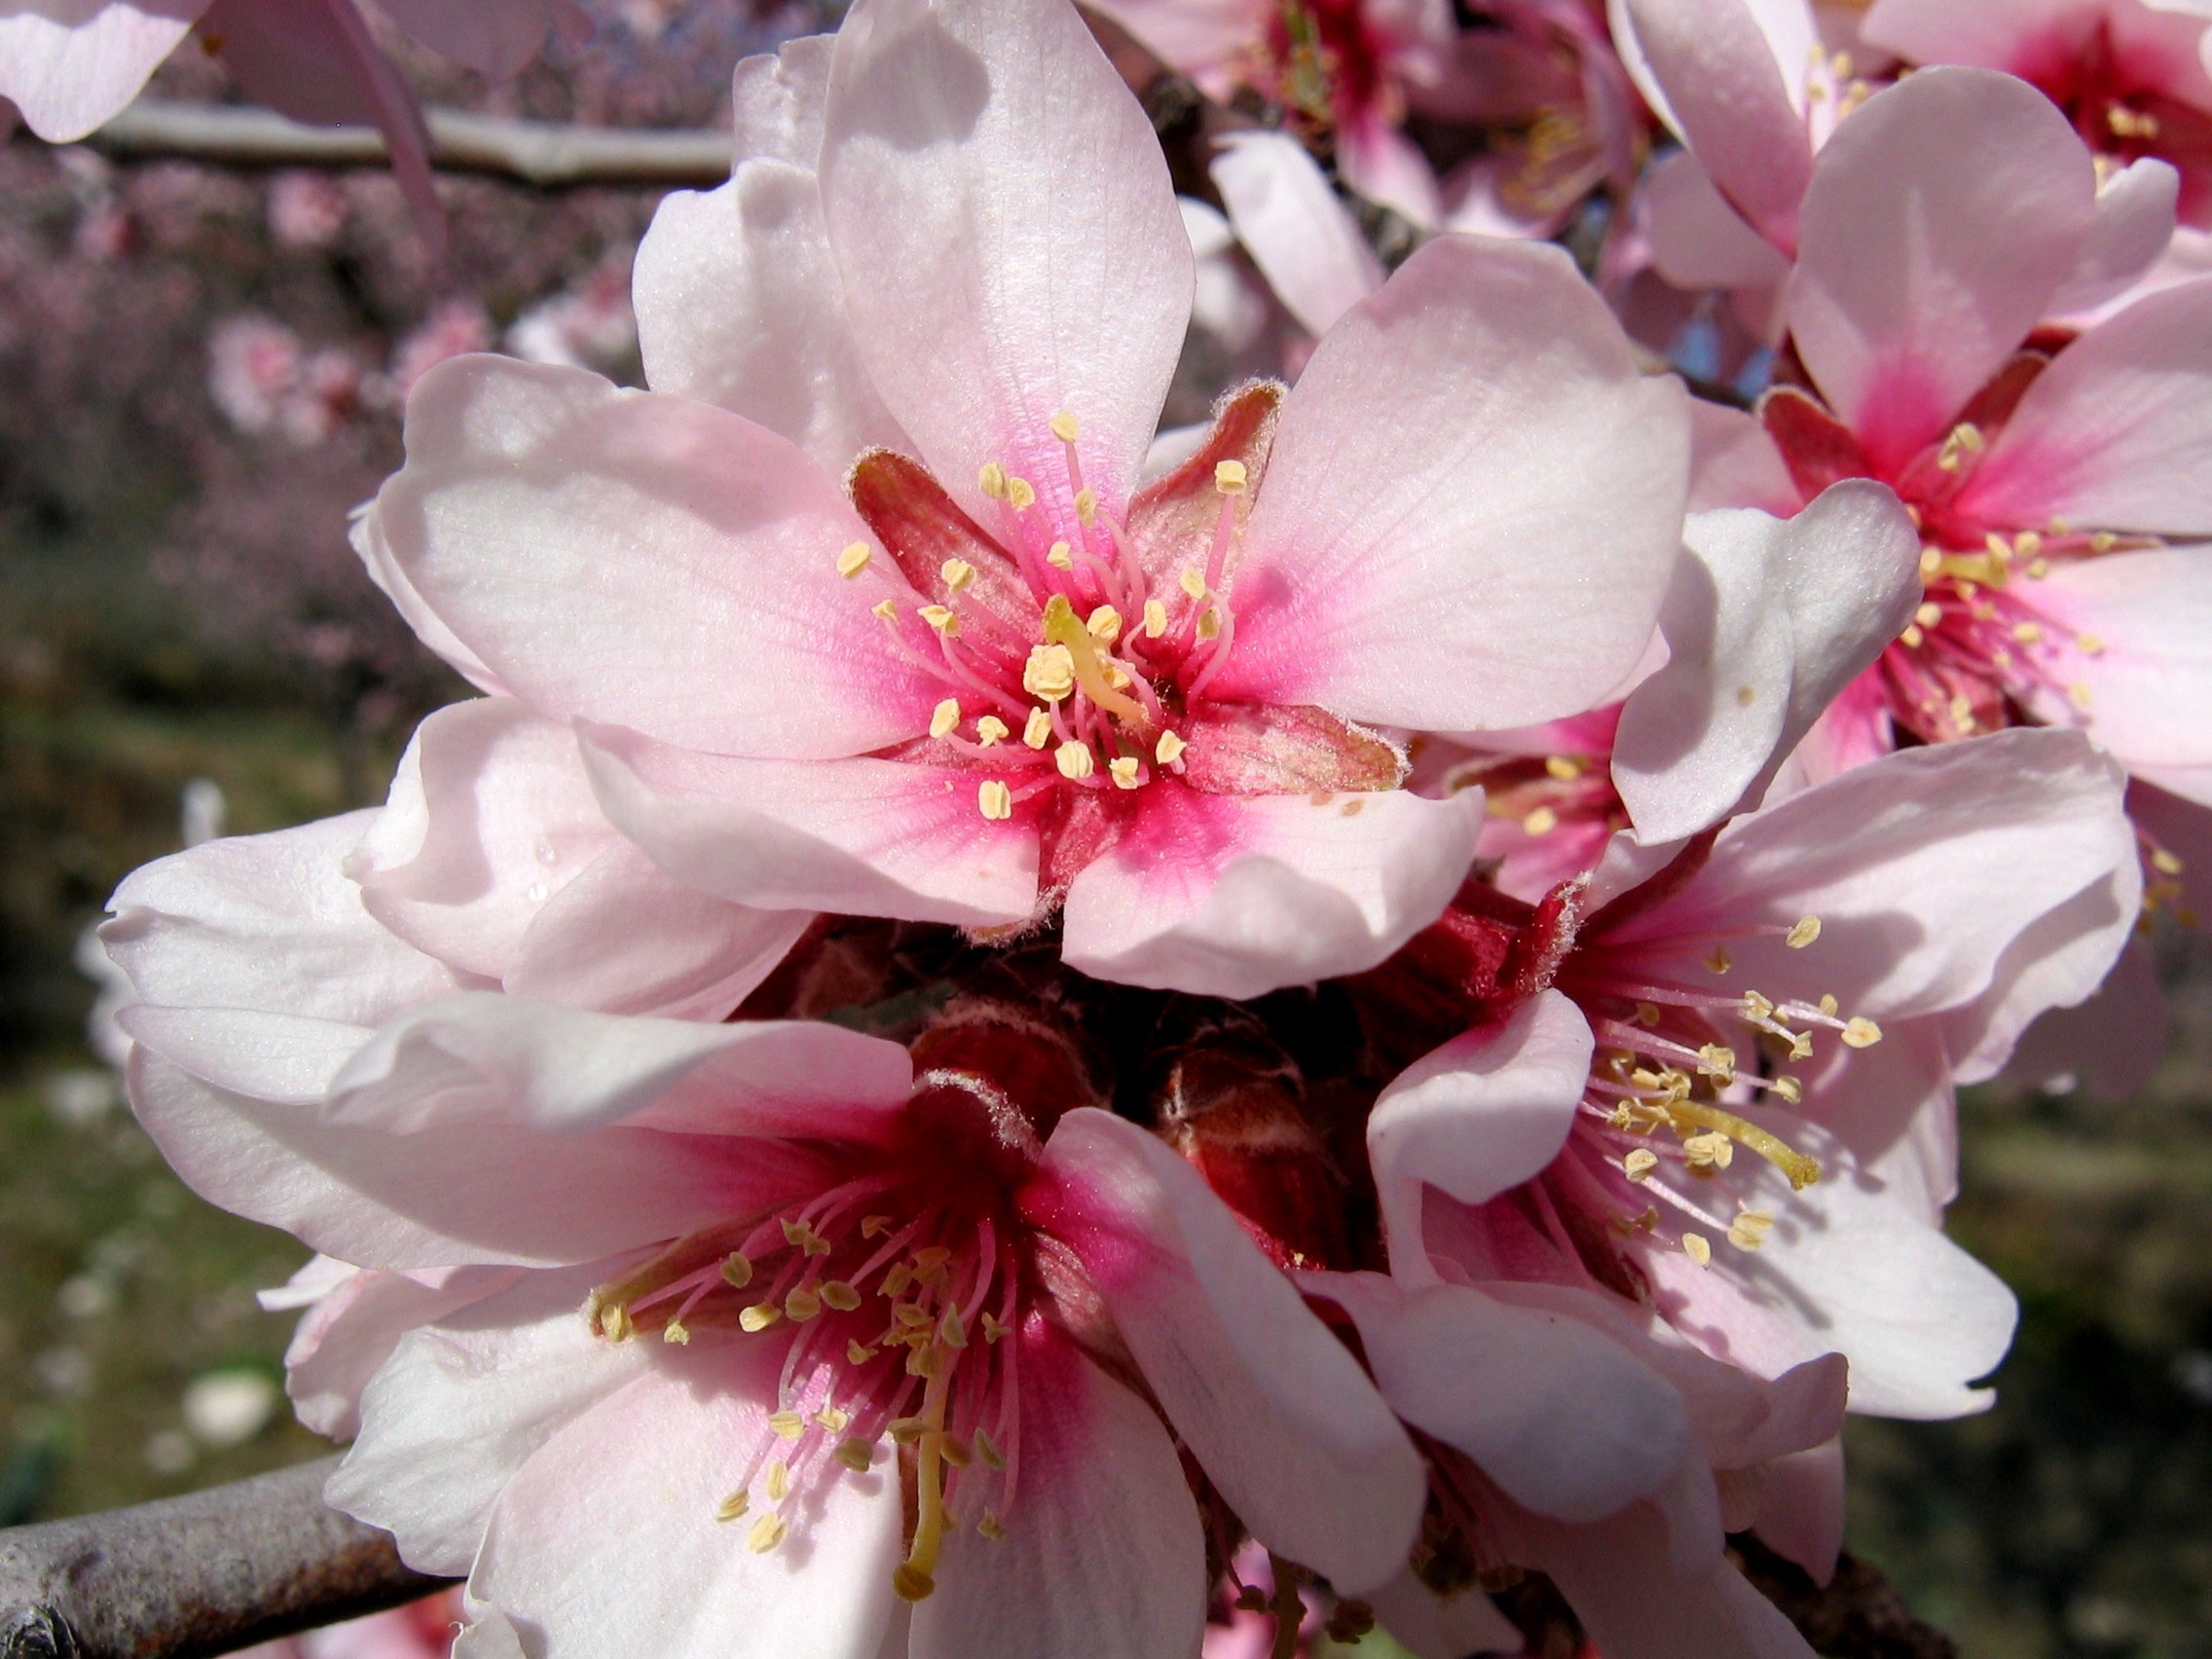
[974, 686]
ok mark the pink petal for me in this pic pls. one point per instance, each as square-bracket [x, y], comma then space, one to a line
[1011, 248]
[1102, 1556]
[1801, 1516]
[374, 551]
[2021, 37]
[470, 1193]
[1734, 463]
[1205, 39]
[865, 837]
[271, 1057]
[2134, 225]
[778, 99]
[344, 1339]
[1482, 1114]
[1384, 167]
[463, 1405]
[71, 64]
[1274, 1407]
[574, 1522]
[1942, 218]
[2149, 684]
[1238, 896]
[267, 922]
[1443, 430]
[2117, 433]
[1430, 1626]
[2110, 1044]
[1698, 238]
[1564, 1419]
[496, 38]
[1302, 237]
[1729, 97]
[739, 304]
[1925, 867]
[645, 560]
[1768, 621]
[480, 1056]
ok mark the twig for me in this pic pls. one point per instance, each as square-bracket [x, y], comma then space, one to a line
[192, 1576]
[537, 152]
[1857, 1614]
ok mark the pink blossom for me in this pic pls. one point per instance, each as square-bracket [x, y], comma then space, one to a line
[421, 1630]
[588, 324]
[1618, 1200]
[253, 363]
[306, 210]
[70, 65]
[733, 1204]
[453, 328]
[1001, 678]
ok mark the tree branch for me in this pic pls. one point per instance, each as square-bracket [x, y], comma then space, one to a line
[535, 152]
[197, 1575]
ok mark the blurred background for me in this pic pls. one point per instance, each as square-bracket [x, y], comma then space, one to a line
[201, 371]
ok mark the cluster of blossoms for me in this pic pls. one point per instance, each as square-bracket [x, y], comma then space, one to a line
[1006, 1034]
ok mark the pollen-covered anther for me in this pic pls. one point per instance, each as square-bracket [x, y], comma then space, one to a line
[942, 619]
[855, 1455]
[858, 1352]
[1210, 624]
[1087, 507]
[1788, 1089]
[944, 718]
[1060, 556]
[1803, 934]
[737, 1270]
[1125, 771]
[677, 1332]
[1050, 672]
[1718, 959]
[1190, 582]
[613, 1322]
[886, 610]
[854, 560]
[1859, 1032]
[2027, 633]
[734, 1506]
[1037, 730]
[1748, 1230]
[989, 1526]
[1717, 1061]
[1074, 760]
[801, 1305]
[1065, 427]
[767, 1532]
[1020, 495]
[1229, 477]
[1640, 1162]
[1963, 440]
[992, 480]
[1708, 1150]
[956, 574]
[786, 1425]
[1105, 624]
[1155, 619]
[994, 1327]
[837, 1294]
[1695, 1247]
[759, 1317]
[994, 799]
[1541, 821]
[1566, 769]
[1169, 749]
[989, 730]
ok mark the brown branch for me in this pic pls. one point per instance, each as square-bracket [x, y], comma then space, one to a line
[192, 1576]
[1857, 1614]
[535, 152]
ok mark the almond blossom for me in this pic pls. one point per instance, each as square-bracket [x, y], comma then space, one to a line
[72, 67]
[1000, 678]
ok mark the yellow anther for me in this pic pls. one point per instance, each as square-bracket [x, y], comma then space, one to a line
[855, 1455]
[1748, 1232]
[767, 1532]
[1565, 767]
[2027, 544]
[677, 1332]
[942, 619]
[994, 1327]
[854, 560]
[1717, 961]
[1087, 506]
[884, 608]
[876, 1225]
[1125, 769]
[1155, 619]
[1807, 930]
[1210, 624]
[1062, 627]
[2088, 645]
[990, 729]
[779, 1483]
[613, 1322]
[913, 1315]
[1640, 1162]
[1710, 1150]
[1828, 1005]
[994, 799]
[895, 1282]
[1050, 671]
[2039, 569]
[1789, 1089]
[1930, 561]
[834, 1419]
[1860, 1032]
[858, 1352]
[1802, 1172]
[957, 574]
[930, 1256]
[801, 1305]
[759, 1317]
[1169, 749]
[2081, 693]
[1911, 638]
[1060, 556]
[1190, 582]
[1696, 1248]
[989, 1526]
[2026, 633]
[733, 1506]
[1064, 428]
[955, 1451]
[992, 480]
[2103, 542]
[837, 1294]
[1647, 1015]
[950, 1331]
[1105, 623]
[988, 1450]
[737, 1270]
[1541, 821]
[2165, 863]
[1020, 495]
[922, 1362]
[1037, 730]
[795, 1233]
[1229, 477]
[786, 1425]
[1074, 760]
[944, 718]
[906, 1431]
[1929, 614]
[1717, 1060]
[1997, 548]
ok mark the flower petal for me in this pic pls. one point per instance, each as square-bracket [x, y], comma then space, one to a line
[1484, 1112]
[463, 1404]
[1102, 1556]
[1564, 1419]
[481, 1056]
[1430, 1626]
[1302, 237]
[865, 837]
[1698, 238]
[70, 67]
[1446, 427]
[2117, 433]
[645, 560]
[1940, 219]
[1229, 895]
[374, 548]
[2134, 225]
[1274, 1407]
[1008, 240]
[778, 99]
[575, 1523]
[2149, 681]
[352, 1329]
[1735, 463]
[1768, 621]
[496, 38]
[739, 304]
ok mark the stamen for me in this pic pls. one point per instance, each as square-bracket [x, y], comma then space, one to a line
[957, 574]
[1060, 557]
[990, 730]
[1695, 1247]
[944, 718]
[854, 560]
[1125, 769]
[767, 1532]
[1020, 495]
[1038, 731]
[1050, 672]
[734, 1506]
[1169, 749]
[1155, 619]
[785, 1425]
[1803, 934]
[1105, 624]
[1065, 429]
[1073, 760]
[1861, 1033]
[942, 619]
[737, 1270]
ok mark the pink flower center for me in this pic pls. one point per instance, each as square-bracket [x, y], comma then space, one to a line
[2121, 104]
[1325, 62]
